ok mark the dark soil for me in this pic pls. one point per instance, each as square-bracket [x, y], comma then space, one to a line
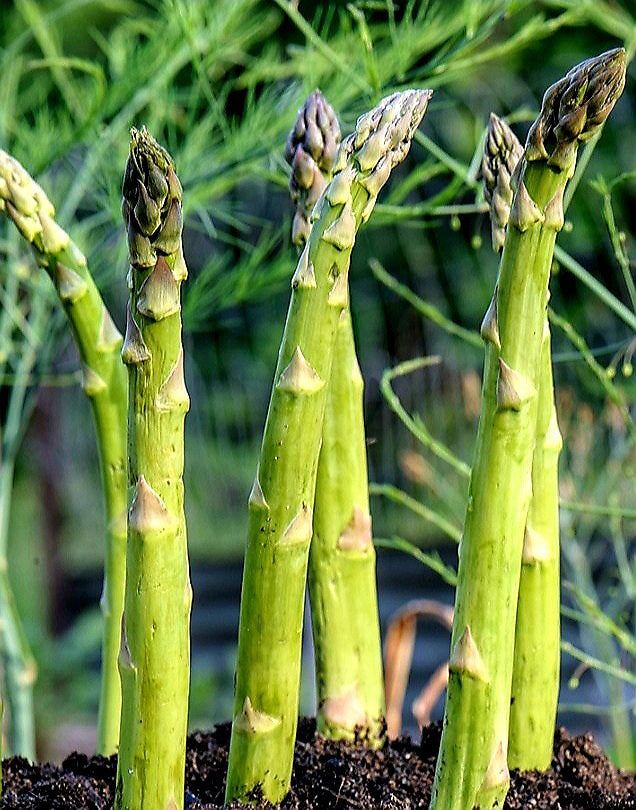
[331, 776]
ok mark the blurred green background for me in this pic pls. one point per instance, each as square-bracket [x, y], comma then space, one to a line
[220, 84]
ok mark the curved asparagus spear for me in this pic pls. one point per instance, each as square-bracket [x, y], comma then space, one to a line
[154, 661]
[535, 676]
[104, 382]
[282, 499]
[342, 586]
[471, 767]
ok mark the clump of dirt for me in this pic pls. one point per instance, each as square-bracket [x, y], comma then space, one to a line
[333, 775]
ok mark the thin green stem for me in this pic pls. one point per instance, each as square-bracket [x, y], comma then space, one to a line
[595, 663]
[417, 428]
[19, 665]
[104, 382]
[602, 510]
[599, 372]
[432, 561]
[396, 495]
[595, 286]
[423, 307]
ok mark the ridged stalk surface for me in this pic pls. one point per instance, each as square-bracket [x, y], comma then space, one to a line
[281, 504]
[536, 667]
[471, 768]
[154, 659]
[537, 658]
[104, 382]
[342, 582]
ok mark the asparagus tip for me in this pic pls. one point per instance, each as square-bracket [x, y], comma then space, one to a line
[310, 150]
[152, 202]
[502, 152]
[575, 107]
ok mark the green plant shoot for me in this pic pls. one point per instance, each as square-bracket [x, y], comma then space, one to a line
[472, 769]
[342, 586]
[154, 660]
[535, 676]
[104, 383]
[282, 500]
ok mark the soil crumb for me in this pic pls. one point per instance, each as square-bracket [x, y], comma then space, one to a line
[331, 776]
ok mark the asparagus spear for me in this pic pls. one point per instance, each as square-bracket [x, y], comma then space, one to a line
[282, 498]
[104, 382]
[18, 664]
[342, 584]
[154, 661]
[471, 767]
[535, 676]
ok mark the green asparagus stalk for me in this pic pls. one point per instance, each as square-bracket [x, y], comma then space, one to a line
[535, 676]
[537, 657]
[18, 664]
[154, 661]
[472, 771]
[104, 382]
[282, 499]
[342, 586]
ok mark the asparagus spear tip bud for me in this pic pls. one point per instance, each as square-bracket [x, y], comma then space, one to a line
[502, 152]
[310, 150]
[575, 107]
[152, 201]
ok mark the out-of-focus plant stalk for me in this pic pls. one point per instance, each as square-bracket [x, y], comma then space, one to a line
[104, 383]
[472, 769]
[342, 586]
[18, 663]
[535, 676]
[281, 504]
[154, 661]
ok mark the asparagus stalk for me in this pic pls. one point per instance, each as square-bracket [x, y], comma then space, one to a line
[342, 584]
[537, 657]
[19, 666]
[104, 382]
[282, 499]
[471, 768]
[154, 661]
[535, 676]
